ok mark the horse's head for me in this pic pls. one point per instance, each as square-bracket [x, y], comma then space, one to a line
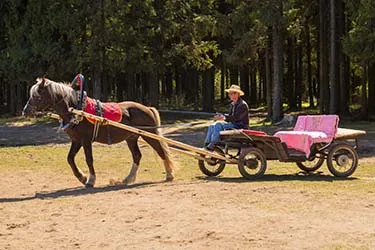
[40, 98]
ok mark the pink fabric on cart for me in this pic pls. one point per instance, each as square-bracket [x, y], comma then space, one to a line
[309, 130]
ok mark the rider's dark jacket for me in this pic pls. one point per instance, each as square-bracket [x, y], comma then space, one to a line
[238, 114]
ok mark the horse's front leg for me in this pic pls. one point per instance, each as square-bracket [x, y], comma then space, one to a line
[74, 148]
[87, 147]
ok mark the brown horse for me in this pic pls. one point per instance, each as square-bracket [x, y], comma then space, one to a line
[60, 96]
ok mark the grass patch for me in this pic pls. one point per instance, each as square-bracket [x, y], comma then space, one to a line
[115, 161]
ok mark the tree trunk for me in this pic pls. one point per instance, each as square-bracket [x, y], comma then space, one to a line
[244, 82]
[277, 41]
[96, 83]
[262, 80]
[120, 86]
[233, 74]
[323, 64]
[298, 71]
[364, 107]
[344, 63]
[309, 69]
[153, 89]
[208, 81]
[222, 82]
[290, 73]
[253, 86]
[20, 96]
[12, 97]
[268, 79]
[333, 76]
[131, 87]
[145, 88]
[177, 77]
[169, 83]
[2, 97]
[371, 88]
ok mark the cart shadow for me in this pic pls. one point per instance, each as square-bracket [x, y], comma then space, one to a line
[78, 191]
[283, 177]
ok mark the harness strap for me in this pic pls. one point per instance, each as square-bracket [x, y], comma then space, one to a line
[95, 131]
[98, 108]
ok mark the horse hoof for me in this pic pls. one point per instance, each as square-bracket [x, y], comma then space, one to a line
[127, 181]
[83, 180]
[89, 185]
[169, 178]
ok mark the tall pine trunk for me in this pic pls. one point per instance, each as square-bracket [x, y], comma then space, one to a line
[268, 79]
[333, 74]
[253, 86]
[309, 68]
[208, 80]
[244, 82]
[323, 62]
[298, 71]
[371, 88]
[344, 62]
[277, 44]
[222, 80]
[290, 73]
[153, 89]
[364, 106]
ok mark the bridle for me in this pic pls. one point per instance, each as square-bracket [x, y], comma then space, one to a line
[53, 105]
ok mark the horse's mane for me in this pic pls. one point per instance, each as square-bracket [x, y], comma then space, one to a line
[56, 90]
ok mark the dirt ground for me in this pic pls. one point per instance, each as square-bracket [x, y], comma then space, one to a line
[46, 208]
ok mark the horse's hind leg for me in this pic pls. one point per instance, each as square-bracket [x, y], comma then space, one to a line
[136, 154]
[87, 146]
[74, 148]
[163, 151]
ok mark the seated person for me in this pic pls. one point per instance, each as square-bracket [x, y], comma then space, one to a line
[237, 118]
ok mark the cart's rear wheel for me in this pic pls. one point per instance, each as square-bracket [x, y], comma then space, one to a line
[212, 166]
[311, 165]
[342, 160]
[252, 163]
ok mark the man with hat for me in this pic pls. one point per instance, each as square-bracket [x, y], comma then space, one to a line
[237, 118]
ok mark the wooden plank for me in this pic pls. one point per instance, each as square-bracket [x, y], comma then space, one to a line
[346, 133]
[54, 116]
[151, 135]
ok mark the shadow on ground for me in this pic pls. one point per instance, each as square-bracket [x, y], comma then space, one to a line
[282, 178]
[77, 191]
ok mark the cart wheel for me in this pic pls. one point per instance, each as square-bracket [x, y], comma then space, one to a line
[342, 160]
[211, 166]
[252, 163]
[311, 165]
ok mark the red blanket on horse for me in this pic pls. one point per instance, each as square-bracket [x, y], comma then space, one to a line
[111, 110]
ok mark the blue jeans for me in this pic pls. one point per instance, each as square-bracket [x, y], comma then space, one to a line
[213, 133]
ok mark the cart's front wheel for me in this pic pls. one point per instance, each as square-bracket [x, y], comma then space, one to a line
[342, 160]
[311, 165]
[252, 163]
[211, 166]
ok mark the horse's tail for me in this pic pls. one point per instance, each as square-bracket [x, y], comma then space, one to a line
[167, 161]
[156, 114]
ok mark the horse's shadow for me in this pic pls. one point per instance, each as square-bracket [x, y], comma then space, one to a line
[311, 177]
[77, 191]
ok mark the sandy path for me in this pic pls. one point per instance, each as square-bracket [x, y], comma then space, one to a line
[201, 214]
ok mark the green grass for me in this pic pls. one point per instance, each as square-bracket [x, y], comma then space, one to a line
[115, 161]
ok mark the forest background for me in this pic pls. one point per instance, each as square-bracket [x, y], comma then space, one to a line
[181, 54]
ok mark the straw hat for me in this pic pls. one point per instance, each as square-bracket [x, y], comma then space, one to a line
[235, 88]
